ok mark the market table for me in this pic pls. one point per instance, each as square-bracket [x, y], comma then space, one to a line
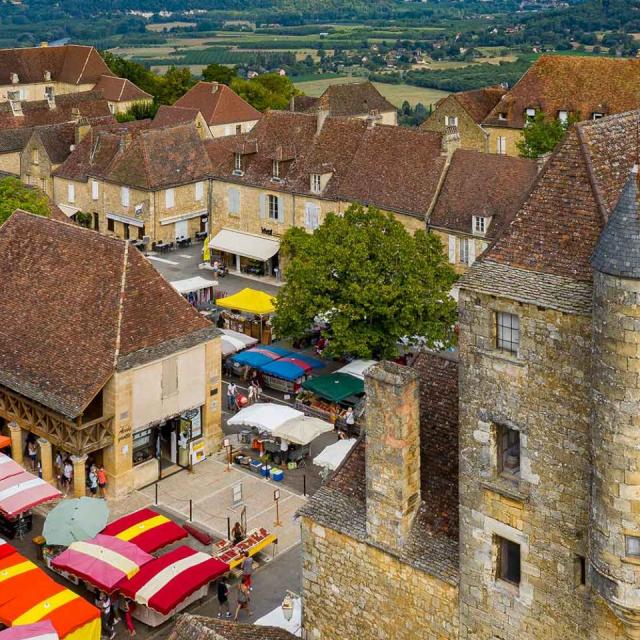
[255, 541]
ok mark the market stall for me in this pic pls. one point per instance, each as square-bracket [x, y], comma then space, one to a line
[254, 542]
[102, 561]
[287, 373]
[264, 416]
[29, 595]
[357, 368]
[8, 467]
[287, 616]
[170, 583]
[37, 631]
[198, 291]
[73, 520]
[331, 457]
[249, 302]
[258, 356]
[147, 529]
[234, 341]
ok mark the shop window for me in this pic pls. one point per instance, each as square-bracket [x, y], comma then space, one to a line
[507, 332]
[143, 445]
[111, 225]
[169, 377]
[508, 566]
[141, 232]
[508, 442]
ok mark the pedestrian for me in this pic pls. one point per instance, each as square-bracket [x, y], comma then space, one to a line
[39, 467]
[103, 603]
[67, 475]
[127, 607]
[223, 598]
[59, 464]
[243, 599]
[237, 533]
[102, 480]
[350, 420]
[253, 394]
[247, 570]
[115, 608]
[32, 453]
[93, 480]
[232, 389]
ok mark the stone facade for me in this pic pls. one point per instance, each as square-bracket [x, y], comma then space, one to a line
[503, 140]
[38, 90]
[354, 591]
[472, 135]
[451, 245]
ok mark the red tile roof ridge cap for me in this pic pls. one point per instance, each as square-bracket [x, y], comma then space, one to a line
[124, 82]
[84, 66]
[123, 284]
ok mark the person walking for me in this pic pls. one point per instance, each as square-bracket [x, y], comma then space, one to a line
[32, 453]
[93, 480]
[350, 420]
[67, 475]
[247, 570]
[127, 607]
[232, 389]
[102, 481]
[223, 598]
[59, 464]
[244, 599]
[103, 603]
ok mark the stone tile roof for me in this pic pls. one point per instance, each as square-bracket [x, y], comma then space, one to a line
[580, 85]
[218, 104]
[304, 104]
[116, 89]
[353, 99]
[488, 185]
[14, 139]
[478, 103]
[71, 64]
[432, 547]
[170, 116]
[94, 298]
[191, 627]
[88, 104]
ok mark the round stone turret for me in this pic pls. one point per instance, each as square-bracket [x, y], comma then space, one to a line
[614, 550]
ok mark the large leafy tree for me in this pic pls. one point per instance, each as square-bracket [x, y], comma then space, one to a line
[219, 73]
[266, 91]
[542, 135]
[14, 195]
[371, 279]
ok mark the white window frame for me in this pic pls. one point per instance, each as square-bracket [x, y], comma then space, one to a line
[632, 546]
[276, 169]
[563, 116]
[451, 121]
[530, 112]
[170, 198]
[596, 115]
[71, 192]
[199, 191]
[316, 183]
[479, 225]
[95, 189]
[464, 250]
[237, 162]
[508, 332]
[311, 216]
[501, 145]
[273, 207]
[124, 196]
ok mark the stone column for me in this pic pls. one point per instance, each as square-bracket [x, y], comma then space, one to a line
[79, 476]
[46, 459]
[16, 442]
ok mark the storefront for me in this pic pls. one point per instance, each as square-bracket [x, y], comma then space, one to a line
[186, 225]
[246, 252]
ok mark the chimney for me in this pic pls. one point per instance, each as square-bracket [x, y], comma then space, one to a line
[15, 79]
[321, 116]
[75, 114]
[450, 140]
[125, 140]
[392, 453]
[82, 129]
[542, 160]
[44, 44]
[214, 87]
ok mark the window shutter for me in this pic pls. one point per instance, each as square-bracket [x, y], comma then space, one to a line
[124, 196]
[315, 216]
[199, 190]
[71, 192]
[472, 251]
[94, 189]
[281, 213]
[307, 215]
[452, 249]
[263, 205]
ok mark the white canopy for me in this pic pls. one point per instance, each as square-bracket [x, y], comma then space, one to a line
[68, 210]
[234, 341]
[276, 618]
[244, 244]
[302, 430]
[193, 284]
[332, 456]
[357, 368]
[264, 416]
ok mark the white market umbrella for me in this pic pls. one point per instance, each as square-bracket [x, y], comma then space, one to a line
[357, 368]
[234, 341]
[332, 456]
[264, 416]
[302, 430]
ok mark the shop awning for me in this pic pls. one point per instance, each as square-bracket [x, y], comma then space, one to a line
[331, 457]
[335, 386]
[37, 631]
[249, 301]
[8, 467]
[303, 429]
[196, 283]
[264, 416]
[22, 492]
[357, 368]
[258, 356]
[291, 367]
[234, 341]
[245, 244]
[68, 210]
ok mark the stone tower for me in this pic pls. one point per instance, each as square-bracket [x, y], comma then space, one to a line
[614, 527]
[393, 453]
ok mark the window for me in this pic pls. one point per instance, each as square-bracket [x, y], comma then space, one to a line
[597, 115]
[531, 113]
[112, 108]
[502, 116]
[274, 207]
[632, 544]
[464, 250]
[199, 190]
[563, 116]
[170, 198]
[451, 121]
[169, 377]
[508, 442]
[124, 196]
[316, 183]
[238, 129]
[312, 216]
[234, 201]
[49, 93]
[96, 221]
[71, 193]
[94, 190]
[35, 156]
[479, 224]
[237, 163]
[43, 184]
[111, 226]
[508, 568]
[126, 231]
[276, 169]
[579, 571]
[508, 332]
[501, 145]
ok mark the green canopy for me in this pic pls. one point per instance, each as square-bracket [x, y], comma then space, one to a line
[335, 386]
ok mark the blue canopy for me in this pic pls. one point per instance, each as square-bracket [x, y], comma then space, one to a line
[258, 356]
[291, 367]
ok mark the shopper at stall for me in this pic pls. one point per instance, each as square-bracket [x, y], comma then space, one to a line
[350, 420]
[127, 608]
[244, 599]
[93, 480]
[237, 533]
[223, 598]
[59, 464]
[32, 453]
[103, 603]
[232, 389]
[102, 480]
[247, 570]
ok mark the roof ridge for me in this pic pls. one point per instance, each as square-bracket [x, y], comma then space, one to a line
[84, 66]
[584, 150]
[123, 284]
[124, 82]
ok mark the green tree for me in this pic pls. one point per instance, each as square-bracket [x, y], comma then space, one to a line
[219, 73]
[173, 84]
[266, 91]
[373, 281]
[541, 135]
[14, 195]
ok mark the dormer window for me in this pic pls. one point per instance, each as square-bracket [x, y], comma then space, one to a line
[47, 76]
[276, 170]
[237, 163]
[451, 121]
[316, 183]
[597, 115]
[14, 78]
[530, 113]
[563, 116]
[502, 116]
[479, 225]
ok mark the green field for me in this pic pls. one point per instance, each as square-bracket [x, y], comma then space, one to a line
[395, 93]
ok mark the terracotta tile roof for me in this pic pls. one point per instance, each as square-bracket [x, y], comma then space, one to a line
[353, 99]
[71, 64]
[580, 85]
[218, 104]
[479, 102]
[89, 104]
[304, 104]
[116, 89]
[170, 116]
[190, 627]
[479, 184]
[96, 299]
[14, 139]
[433, 544]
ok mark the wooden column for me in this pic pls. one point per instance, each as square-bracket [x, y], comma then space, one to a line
[46, 460]
[79, 476]
[16, 442]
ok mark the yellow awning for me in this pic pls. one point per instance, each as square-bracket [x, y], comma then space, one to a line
[249, 301]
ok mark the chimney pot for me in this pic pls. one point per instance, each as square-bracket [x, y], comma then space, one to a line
[321, 116]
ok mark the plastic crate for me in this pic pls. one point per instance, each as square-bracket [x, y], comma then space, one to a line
[255, 465]
[277, 475]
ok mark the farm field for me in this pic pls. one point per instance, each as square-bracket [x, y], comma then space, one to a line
[395, 93]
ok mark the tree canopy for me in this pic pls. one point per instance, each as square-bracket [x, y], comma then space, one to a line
[541, 135]
[372, 280]
[219, 73]
[266, 91]
[14, 195]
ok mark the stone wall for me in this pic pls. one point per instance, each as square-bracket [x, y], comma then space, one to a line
[35, 166]
[353, 591]
[471, 134]
[478, 246]
[511, 135]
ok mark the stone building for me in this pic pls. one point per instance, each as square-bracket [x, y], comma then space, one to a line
[547, 535]
[101, 357]
[349, 100]
[466, 111]
[122, 94]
